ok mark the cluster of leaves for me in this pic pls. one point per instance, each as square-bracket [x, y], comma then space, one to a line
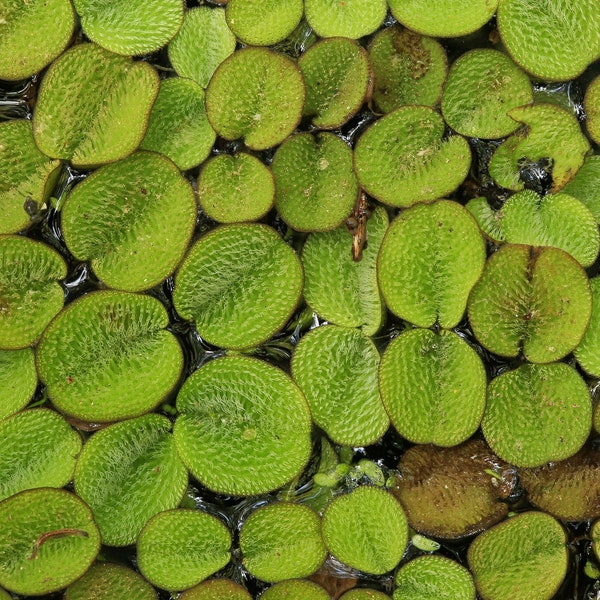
[233, 238]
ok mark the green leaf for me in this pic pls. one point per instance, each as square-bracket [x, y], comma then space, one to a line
[235, 188]
[341, 387]
[556, 220]
[483, 85]
[93, 106]
[47, 541]
[446, 18]
[537, 300]
[433, 387]
[109, 581]
[585, 186]
[202, 44]
[552, 135]
[537, 413]
[408, 68]
[295, 589]
[402, 159]
[27, 175]
[430, 258]
[129, 27]
[554, 40]
[255, 94]
[591, 104]
[587, 352]
[366, 529]
[522, 558]
[352, 19]
[244, 427]
[436, 577]
[39, 449]
[178, 548]
[216, 589]
[18, 380]
[337, 76]
[132, 220]
[567, 489]
[342, 290]
[30, 294]
[107, 357]
[178, 126]
[316, 188]
[239, 284]
[282, 541]
[264, 23]
[488, 219]
[127, 473]
[32, 35]
[364, 594]
[449, 493]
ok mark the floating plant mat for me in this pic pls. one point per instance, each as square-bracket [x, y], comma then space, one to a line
[341, 388]
[93, 106]
[30, 295]
[202, 44]
[244, 426]
[149, 476]
[39, 449]
[126, 27]
[108, 581]
[453, 492]
[436, 577]
[32, 35]
[402, 159]
[108, 357]
[47, 541]
[179, 548]
[133, 221]
[534, 299]
[282, 541]
[522, 558]
[407, 68]
[239, 284]
[28, 176]
[337, 76]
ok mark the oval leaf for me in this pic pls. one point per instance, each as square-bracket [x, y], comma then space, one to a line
[18, 380]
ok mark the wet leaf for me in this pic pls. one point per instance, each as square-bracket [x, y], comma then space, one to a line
[352, 19]
[18, 380]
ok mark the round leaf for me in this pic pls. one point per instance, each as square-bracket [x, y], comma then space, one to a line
[18, 380]
[341, 387]
[39, 449]
[244, 427]
[591, 103]
[534, 299]
[433, 387]
[30, 294]
[408, 68]
[536, 414]
[366, 529]
[282, 541]
[483, 85]
[27, 175]
[178, 126]
[522, 558]
[108, 357]
[240, 284]
[47, 541]
[342, 290]
[179, 548]
[132, 220]
[585, 186]
[216, 589]
[364, 594]
[402, 159]
[295, 589]
[108, 581]
[316, 188]
[430, 258]
[588, 351]
[128, 27]
[352, 19]
[127, 473]
[256, 94]
[93, 106]
[235, 188]
[436, 577]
